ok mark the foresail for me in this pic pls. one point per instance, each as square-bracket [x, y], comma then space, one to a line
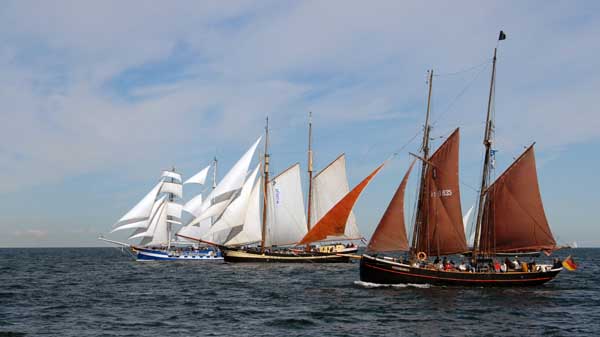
[235, 213]
[141, 211]
[390, 234]
[251, 230]
[330, 185]
[514, 217]
[333, 223]
[198, 178]
[286, 220]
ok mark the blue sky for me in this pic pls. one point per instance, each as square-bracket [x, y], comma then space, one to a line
[97, 98]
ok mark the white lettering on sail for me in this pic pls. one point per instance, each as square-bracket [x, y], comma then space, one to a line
[441, 193]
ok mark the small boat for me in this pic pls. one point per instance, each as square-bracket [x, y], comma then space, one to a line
[510, 221]
[152, 220]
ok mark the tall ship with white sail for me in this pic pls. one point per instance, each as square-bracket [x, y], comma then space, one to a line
[282, 231]
[154, 218]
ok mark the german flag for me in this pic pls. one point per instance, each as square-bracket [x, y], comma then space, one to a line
[569, 264]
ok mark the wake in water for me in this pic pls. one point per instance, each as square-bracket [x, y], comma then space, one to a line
[369, 285]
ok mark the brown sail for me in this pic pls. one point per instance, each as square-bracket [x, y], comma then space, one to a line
[440, 227]
[333, 223]
[514, 217]
[390, 234]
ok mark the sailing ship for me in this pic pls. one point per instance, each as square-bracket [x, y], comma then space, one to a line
[153, 218]
[283, 232]
[510, 220]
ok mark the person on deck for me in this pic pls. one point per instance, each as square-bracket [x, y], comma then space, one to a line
[517, 263]
[509, 265]
[503, 267]
[497, 266]
[462, 266]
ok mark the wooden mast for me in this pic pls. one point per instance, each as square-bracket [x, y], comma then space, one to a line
[487, 142]
[265, 188]
[425, 148]
[310, 176]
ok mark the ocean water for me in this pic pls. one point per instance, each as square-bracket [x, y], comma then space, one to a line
[103, 292]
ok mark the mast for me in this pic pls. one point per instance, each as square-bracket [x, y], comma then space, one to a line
[425, 148]
[310, 175]
[487, 142]
[215, 163]
[265, 188]
[169, 225]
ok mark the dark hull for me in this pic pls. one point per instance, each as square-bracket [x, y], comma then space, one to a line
[375, 270]
[239, 255]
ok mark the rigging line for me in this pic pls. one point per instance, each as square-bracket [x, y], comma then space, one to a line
[463, 70]
[455, 99]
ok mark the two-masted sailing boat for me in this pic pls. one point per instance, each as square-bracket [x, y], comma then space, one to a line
[153, 219]
[283, 232]
[510, 219]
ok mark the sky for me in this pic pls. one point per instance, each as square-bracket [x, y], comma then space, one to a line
[96, 98]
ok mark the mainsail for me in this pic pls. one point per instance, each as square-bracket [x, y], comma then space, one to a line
[286, 222]
[390, 234]
[329, 187]
[333, 223]
[513, 216]
[439, 218]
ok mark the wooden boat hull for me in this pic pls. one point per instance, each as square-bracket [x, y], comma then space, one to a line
[239, 255]
[383, 271]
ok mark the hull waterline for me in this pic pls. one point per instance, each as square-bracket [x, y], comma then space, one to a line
[384, 271]
[144, 254]
[239, 255]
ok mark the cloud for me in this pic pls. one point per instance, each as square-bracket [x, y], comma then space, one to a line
[35, 234]
[125, 89]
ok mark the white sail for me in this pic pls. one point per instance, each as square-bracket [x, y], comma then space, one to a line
[286, 221]
[173, 188]
[193, 206]
[198, 178]
[143, 225]
[195, 232]
[153, 221]
[330, 186]
[160, 234]
[234, 179]
[174, 209]
[235, 214]
[171, 174]
[141, 211]
[466, 220]
[251, 231]
[212, 211]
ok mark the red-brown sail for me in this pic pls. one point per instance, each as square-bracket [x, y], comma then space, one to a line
[514, 217]
[390, 234]
[333, 223]
[441, 230]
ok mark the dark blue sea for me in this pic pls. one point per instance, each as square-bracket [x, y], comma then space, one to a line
[103, 292]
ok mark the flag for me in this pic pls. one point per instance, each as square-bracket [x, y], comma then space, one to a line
[569, 264]
[502, 36]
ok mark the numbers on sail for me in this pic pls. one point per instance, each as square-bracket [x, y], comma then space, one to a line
[441, 193]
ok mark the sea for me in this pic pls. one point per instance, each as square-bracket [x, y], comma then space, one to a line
[104, 292]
